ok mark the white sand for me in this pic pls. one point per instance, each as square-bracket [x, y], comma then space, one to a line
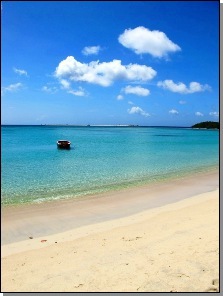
[173, 247]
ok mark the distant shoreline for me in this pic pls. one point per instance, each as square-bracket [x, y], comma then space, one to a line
[94, 125]
[104, 125]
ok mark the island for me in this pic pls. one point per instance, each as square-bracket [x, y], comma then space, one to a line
[207, 125]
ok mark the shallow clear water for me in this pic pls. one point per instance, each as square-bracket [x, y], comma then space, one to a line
[100, 159]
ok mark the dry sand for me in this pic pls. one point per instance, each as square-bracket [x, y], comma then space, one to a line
[171, 245]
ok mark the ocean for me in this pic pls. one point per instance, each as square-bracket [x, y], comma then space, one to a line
[101, 159]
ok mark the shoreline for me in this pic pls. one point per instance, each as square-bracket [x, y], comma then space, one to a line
[36, 220]
[125, 185]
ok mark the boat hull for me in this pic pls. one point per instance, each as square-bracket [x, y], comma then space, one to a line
[63, 144]
[63, 147]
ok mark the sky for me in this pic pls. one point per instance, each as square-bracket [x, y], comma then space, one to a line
[152, 63]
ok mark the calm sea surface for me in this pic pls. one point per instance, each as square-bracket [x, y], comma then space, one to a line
[100, 159]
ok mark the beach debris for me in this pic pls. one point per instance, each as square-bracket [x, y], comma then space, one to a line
[30, 237]
[214, 287]
[55, 242]
[79, 285]
[43, 240]
[131, 239]
[181, 274]
[215, 282]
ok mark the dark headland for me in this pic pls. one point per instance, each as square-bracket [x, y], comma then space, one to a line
[207, 125]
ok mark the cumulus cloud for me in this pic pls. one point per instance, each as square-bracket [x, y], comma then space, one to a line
[138, 110]
[65, 83]
[173, 111]
[182, 102]
[50, 90]
[130, 103]
[216, 114]
[141, 40]
[199, 114]
[136, 90]
[20, 72]
[80, 92]
[13, 87]
[88, 50]
[120, 97]
[182, 88]
[104, 73]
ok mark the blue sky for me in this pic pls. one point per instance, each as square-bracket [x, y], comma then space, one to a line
[145, 63]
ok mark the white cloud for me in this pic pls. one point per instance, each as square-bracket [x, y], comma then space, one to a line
[65, 83]
[20, 72]
[51, 90]
[104, 73]
[138, 110]
[199, 114]
[88, 50]
[80, 92]
[120, 97]
[182, 102]
[173, 111]
[13, 87]
[136, 90]
[130, 103]
[216, 114]
[141, 40]
[182, 88]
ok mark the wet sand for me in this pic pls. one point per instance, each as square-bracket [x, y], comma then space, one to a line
[36, 220]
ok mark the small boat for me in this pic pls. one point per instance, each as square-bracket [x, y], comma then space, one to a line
[63, 144]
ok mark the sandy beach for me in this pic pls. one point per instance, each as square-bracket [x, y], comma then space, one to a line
[156, 238]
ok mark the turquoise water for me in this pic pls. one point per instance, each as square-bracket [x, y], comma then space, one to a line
[100, 159]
